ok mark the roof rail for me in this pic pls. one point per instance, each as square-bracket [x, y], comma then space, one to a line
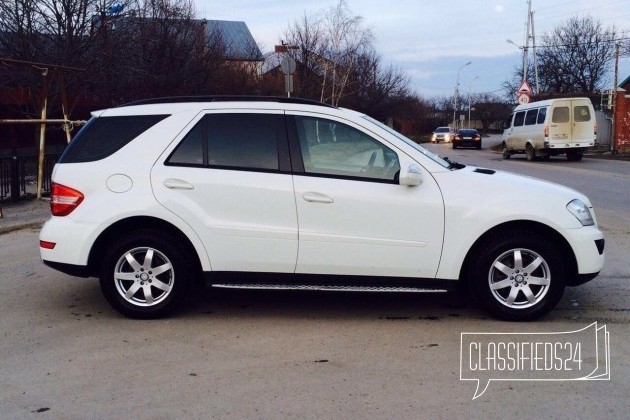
[226, 98]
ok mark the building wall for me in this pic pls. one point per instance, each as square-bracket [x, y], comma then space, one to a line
[622, 121]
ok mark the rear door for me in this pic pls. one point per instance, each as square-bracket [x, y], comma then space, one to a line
[560, 126]
[583, 122]
[229, 178]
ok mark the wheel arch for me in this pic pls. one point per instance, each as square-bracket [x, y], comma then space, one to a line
[567, 254]
[138, 223]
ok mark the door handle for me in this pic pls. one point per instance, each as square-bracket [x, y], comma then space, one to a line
[180, 184]
[315, 197]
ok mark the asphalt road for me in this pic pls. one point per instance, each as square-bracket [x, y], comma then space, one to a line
[255, 354]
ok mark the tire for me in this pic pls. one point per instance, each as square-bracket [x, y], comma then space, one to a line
[574, 156]
[129, 279]
[506, 152]
[530, 153]
[479, 146]
[454, 146]
[505, 287]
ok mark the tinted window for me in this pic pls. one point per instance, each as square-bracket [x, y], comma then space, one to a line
[332, 148]
[233, 141]
[581, 114]
[442, 130]
[560, 114]
[103, 136]
[468, 132]
[190, 149]
[248, 141]
[519, 118]
[542, 113]
[530, 118]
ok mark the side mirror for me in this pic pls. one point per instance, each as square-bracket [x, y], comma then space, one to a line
[412, 176]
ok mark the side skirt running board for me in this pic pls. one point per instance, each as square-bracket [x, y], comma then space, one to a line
[326, 288]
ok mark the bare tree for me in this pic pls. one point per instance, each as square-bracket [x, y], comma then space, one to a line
[575, 57]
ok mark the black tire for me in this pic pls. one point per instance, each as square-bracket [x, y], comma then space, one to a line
[521, 292]
[479, 146]
[129, 279]
[454, 146]
[530, 153]
[506, 152]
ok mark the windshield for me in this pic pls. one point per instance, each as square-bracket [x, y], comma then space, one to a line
[410, 142]
[442, 130]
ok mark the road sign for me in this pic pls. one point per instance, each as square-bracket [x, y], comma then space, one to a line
[523, 98]
[287, 65]
[524, 88]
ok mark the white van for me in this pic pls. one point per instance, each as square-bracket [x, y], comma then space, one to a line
[551, 127]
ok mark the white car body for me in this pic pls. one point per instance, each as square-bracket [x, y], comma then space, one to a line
[551, 127]
[420, 230]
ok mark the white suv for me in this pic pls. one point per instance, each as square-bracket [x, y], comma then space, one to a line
[288, 193]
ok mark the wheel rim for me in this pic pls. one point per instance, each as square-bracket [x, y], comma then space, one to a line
[519, 278]
[144, 276]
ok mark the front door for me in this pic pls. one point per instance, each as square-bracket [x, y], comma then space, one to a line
[354, 217]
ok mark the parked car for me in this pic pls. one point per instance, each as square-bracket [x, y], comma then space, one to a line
[467, 137]
[284, 193]
[444, 134]
[552, 127]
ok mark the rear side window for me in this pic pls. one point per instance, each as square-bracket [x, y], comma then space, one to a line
[560, 114]
[542, 113]
[530, 118]
[581, 114]
[103, 136]
[519, 118]
[233, 141]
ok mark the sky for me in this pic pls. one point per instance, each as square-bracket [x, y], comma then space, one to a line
[430, 40]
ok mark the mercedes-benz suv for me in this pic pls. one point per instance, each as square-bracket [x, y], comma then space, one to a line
[288, 193]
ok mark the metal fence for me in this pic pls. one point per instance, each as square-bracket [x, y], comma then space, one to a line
[18, 175]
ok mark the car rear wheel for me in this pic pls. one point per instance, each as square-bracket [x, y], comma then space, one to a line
[506, 152]
[530, 153]
[145, 275]
[518, 276]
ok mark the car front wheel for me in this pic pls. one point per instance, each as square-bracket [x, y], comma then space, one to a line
[145, 275]
[518, 276]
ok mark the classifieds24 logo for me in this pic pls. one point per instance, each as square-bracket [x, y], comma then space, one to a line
[556, 356]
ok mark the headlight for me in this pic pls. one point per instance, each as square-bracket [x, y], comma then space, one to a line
[581, 212]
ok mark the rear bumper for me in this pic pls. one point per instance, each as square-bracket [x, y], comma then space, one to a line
[467, 143]
[70, 269]
[582, 278]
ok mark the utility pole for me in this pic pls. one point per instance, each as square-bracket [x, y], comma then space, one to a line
[526, 44]
[531, 18]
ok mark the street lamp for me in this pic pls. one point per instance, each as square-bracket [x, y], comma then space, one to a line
[509, 41]
[469, 88]
[457, 92]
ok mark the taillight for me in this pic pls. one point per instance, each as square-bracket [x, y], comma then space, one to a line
[63, 200]
[546, 130]
[595, 129]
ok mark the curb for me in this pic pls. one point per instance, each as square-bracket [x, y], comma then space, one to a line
[20, 226]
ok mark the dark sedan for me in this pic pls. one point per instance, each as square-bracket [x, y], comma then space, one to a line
[467, 137]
